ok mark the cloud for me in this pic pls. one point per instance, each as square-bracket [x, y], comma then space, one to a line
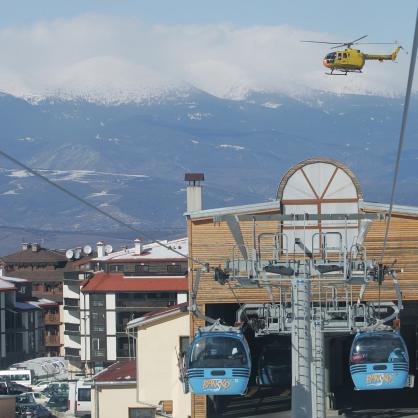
[119, 58]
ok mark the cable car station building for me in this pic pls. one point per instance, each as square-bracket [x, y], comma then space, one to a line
[303, 222]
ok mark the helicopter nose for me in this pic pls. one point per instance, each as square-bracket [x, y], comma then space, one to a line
[325, 62]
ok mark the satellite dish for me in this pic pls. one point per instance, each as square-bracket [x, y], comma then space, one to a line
[69, 254]
[77, 253]
[87, 249]
[108, 249]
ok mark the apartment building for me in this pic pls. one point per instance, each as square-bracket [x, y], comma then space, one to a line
[21, 321]
[44, 269]
[127, 284]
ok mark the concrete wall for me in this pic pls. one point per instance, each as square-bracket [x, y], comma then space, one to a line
[113, 401]
[157, 371]
[7, 406]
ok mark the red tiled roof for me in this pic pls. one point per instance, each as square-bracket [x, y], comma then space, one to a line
[124, 371]
[115, 282]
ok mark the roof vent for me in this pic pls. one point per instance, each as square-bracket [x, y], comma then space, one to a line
[100, 249]
[138, 246]
[25, 246]
[35, 247]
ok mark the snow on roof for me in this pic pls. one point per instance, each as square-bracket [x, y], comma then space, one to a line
[5, 285]
[151, 251]
[25, 306]
[43, 303]
[13, 279]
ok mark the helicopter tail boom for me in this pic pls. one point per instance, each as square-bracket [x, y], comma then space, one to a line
[380, 57]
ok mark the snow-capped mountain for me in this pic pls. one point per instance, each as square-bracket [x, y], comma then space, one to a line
[129, 158]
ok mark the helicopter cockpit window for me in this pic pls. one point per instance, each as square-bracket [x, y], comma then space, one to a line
[339, 55]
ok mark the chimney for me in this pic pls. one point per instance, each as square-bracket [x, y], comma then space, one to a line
[25, 246]
[35, 247]
[194, 191]
[138, 246]
[100, 249]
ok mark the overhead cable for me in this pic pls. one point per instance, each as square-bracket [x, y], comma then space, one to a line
[402, 133]
[91, 206]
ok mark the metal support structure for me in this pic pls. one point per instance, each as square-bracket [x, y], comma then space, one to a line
[301, 350]
[318, 389]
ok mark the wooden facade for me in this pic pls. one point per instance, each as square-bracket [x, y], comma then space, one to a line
[212, 242]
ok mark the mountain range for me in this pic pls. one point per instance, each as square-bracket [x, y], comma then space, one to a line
[130, 158]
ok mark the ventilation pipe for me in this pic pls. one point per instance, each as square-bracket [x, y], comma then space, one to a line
[100, 249]
[138, 246]
[194, 191]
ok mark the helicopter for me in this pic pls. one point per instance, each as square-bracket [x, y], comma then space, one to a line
[352, 60]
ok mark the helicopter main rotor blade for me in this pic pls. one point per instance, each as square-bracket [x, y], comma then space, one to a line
[321, 42]
[376, 43]
[357, 39]
[340, 45]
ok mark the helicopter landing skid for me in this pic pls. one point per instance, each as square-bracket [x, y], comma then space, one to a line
[342, 72]
[336, 73]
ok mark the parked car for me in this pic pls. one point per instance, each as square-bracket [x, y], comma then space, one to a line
[55, 387]
[32, 411]
[41, 385]
[79, 400]
[58, 402]
[26, 399]
[11, 388]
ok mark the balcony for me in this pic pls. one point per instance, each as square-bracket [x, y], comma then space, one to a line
[52, 340]
[52, 319]
[147, 304]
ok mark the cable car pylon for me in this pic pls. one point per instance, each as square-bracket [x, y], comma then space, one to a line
[310, 287]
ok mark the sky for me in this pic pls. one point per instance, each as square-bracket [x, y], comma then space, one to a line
[131, 48]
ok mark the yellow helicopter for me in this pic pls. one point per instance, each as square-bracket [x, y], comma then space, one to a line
[352, 60]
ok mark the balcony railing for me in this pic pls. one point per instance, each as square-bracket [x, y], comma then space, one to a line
[52, 340]
[72, 352]
[145, 303]
[51, 319]
[71, 329]
[98, 353]
[70, 303]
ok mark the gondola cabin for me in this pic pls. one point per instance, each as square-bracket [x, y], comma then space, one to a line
[275, 364]
[219, 362]
[379, 360]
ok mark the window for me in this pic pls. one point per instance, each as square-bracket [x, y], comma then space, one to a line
[95, 343]
[174, 268]
[84, 395]
[116, 267]
[344, 55]
[97, 300]
[141, 268]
